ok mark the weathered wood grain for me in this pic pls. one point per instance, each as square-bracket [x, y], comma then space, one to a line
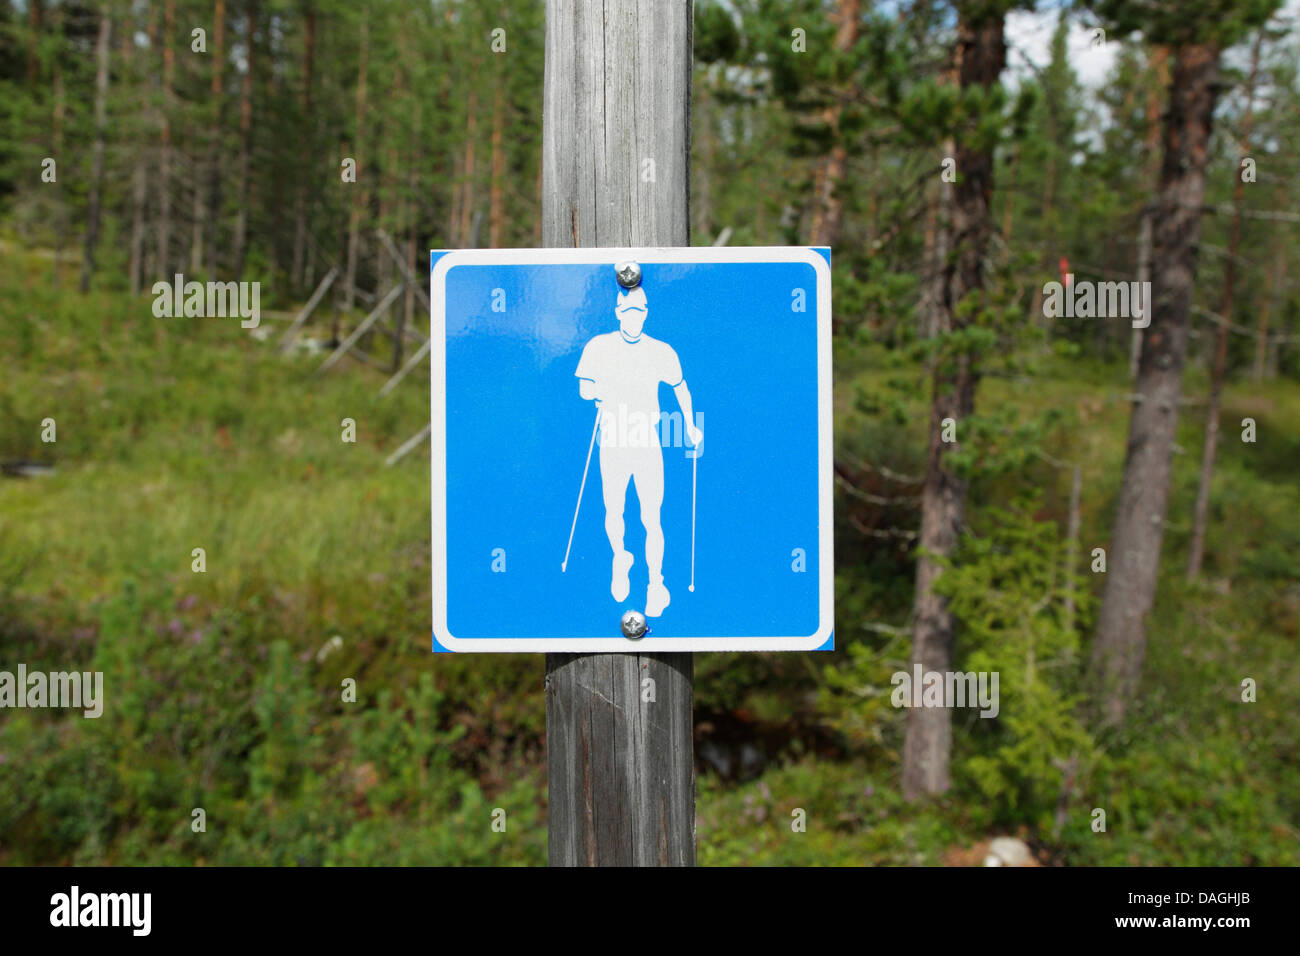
[616, 100]
[621, 770]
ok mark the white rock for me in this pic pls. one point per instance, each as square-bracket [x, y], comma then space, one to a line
[1011, 851]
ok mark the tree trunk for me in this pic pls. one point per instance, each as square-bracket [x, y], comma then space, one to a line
[33, 41]
[1196, 551]
[1072, 546]
[389, 187]
[1007, 210]
[1050, 257]
[406, 315]
[453, 219]
[95, 199]
[929, 242]
[702, 180]
[1159, 61]
[938, 235]
[1144, 494]
[1270, 295]
[61, 216]
[411, 216]
[467, 203]
[1272, 283]
[827, 202]
[245, 141]
[1144, 276]
[928, 742]
[205, 134]
[200, 213]
[932, 309]
[139, 191]
[139, 181]
[218, 94]
[496, 204]
[354, 210]
[307, 154]
[165, 157]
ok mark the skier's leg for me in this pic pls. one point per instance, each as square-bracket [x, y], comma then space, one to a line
[615, 471]
[649, 478]
[614, 476]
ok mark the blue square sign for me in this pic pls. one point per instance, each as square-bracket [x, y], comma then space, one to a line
[631, 450]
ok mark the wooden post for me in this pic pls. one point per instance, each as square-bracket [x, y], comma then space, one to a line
[413, 361]
[360, 330]
[307, 309]
[405, 448]
[615, 163]
[405, 268]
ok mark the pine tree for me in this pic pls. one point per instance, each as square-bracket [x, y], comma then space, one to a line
[980, 55]
[1196, 38]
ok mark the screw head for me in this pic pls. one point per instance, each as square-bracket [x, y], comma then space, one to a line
[629, 274]
[633, 625]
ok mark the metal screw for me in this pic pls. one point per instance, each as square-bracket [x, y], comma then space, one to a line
[633, 625]
[629, 274]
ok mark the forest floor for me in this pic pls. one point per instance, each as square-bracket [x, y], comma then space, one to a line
[174, 435]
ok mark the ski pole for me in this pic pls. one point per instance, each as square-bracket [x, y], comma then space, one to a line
[695, 472]
[581, 488]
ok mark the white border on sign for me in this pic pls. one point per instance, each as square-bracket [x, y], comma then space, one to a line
[438, 450]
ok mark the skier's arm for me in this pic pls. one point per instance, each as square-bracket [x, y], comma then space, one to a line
[588, 371]
[688, 412]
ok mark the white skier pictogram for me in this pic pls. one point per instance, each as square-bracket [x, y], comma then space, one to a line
[621, 371]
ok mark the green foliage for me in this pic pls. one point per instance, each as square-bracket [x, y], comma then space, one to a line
[1009, 587]
[854, 698]
[1220, 22]
[716, 35]
[220, 692]
[852, 817]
